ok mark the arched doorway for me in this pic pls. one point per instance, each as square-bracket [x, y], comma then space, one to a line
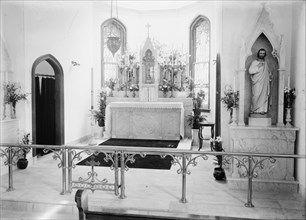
[47, 101]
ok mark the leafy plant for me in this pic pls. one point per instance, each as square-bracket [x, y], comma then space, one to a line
[99, 115]
[193, 120]
[25, 140]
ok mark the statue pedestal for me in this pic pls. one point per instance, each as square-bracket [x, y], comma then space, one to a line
[264, 122]
[278, 176]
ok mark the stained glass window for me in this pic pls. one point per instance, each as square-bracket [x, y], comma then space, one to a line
[200, 57]
[112, 28]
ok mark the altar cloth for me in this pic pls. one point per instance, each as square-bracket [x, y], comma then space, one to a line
[145, 120]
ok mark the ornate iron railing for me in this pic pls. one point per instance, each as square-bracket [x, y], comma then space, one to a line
[68, 155]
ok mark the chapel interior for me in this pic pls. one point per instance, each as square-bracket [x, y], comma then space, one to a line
[175, 73]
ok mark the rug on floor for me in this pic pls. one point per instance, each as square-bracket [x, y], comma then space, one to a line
[148, 162]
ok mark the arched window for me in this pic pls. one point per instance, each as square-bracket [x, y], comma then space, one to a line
[200, 57]
[109, 59]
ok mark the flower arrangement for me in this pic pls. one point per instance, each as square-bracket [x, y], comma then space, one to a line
[12, 93]
[111, 84]
[121, 87]
[289, 96]
[168, 85]
[128, 64]
[133, 88]
[172, 63]
[230, 98]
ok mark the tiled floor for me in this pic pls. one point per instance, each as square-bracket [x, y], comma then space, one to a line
[37, 194]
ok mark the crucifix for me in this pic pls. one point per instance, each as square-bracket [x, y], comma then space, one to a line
[148, 26]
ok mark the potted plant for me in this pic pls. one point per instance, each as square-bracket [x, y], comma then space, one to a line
[219, 172]
[99, 115]
[12, 95]
[230, 100]
[196, 117]
[22, 162]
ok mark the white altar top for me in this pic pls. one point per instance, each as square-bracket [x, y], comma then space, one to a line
[145, 120]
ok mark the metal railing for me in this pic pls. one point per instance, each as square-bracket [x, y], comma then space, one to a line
[68, 155]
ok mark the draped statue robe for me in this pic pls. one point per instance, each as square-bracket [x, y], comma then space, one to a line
[260, 86]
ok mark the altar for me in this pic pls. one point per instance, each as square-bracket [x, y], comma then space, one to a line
[145, 120]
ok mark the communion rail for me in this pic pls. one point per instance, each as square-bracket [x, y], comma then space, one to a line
[68, 155]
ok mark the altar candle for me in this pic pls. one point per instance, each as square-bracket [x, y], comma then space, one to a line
[288, 82]
[234, 83]
[91, 88]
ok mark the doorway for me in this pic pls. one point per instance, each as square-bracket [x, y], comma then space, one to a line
[47, 102]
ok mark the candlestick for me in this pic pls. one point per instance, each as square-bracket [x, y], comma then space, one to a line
[91, 88]
[234, 83]
[288, 82]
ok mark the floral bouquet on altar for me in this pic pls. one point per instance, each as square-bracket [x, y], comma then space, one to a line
[289, 97]
[121, 87]
[128, 63]
[133, 88]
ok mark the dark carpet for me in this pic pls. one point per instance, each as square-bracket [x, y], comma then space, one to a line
[148, 162]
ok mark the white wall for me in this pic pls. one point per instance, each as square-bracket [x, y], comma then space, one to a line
[298, 82]
[63, 29]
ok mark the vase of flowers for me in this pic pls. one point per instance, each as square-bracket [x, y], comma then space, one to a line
[289, 97]
[231, 102]
[111, 85]
[133, 88]
[12, 95]
[164, 88]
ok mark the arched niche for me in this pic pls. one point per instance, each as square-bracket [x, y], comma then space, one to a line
[263, 36]
[263, 42]
[59, 97]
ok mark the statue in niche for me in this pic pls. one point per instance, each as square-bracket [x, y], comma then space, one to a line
[148, 62]
[261, 78]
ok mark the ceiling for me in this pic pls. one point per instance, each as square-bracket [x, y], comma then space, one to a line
[149, 5]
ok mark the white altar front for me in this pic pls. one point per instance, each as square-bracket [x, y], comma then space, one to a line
[145, 120]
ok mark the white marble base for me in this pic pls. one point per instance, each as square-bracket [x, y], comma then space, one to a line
[145, 120]
[260, 185]
[270, 140]
[265, 122]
